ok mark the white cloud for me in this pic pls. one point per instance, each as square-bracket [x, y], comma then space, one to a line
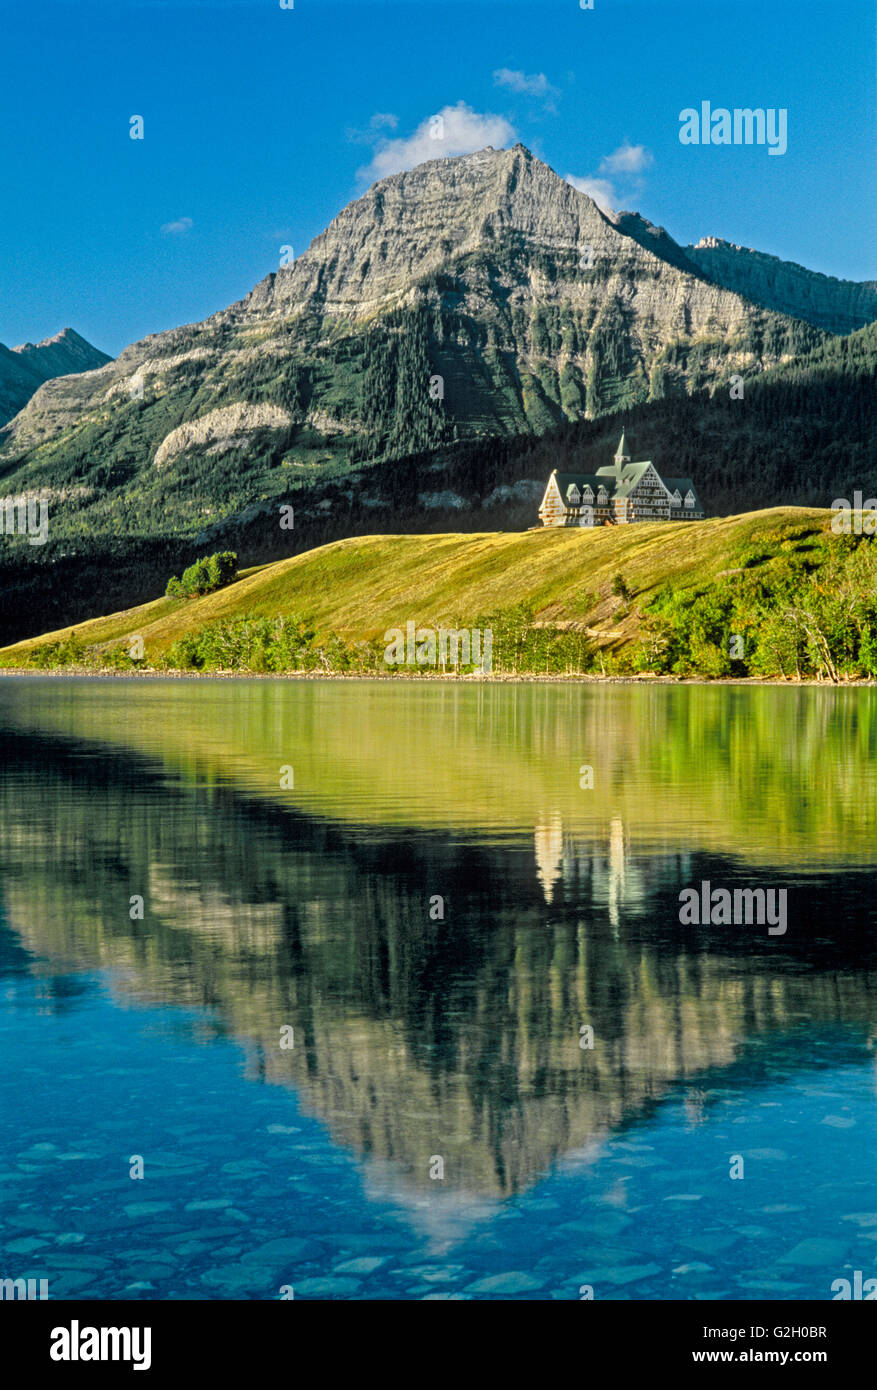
[452, 131]
[627, 159]
[534, 84]
[178, 228]
[625, 163]
[600, 190]
[381, 120]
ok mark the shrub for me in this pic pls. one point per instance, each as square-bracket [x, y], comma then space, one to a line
[205, 576]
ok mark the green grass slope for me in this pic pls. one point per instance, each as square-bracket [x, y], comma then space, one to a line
[358, 588]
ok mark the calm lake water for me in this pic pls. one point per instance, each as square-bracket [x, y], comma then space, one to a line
[421, 884]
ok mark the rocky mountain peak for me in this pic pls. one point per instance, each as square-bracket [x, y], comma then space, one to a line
[712, 242]
[412, 223]
[66, 335]
[24, 368]
[61, 354]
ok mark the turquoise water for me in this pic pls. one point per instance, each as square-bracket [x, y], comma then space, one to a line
[435, 1130]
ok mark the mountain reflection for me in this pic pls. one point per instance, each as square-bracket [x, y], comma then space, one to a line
[413, 1037]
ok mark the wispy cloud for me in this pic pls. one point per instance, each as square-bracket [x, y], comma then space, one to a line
[625, 165]
[600, 190]
[452, 131]
[381, 120]
[627, 159]
[534, 84]
[178, 228]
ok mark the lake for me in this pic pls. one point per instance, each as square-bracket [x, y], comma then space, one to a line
[375, 990]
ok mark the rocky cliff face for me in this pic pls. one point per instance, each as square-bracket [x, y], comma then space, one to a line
[540, 234]
[838, 306]
[23, 369]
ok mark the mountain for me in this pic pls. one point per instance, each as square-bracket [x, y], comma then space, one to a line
[62, 355]
[488, 271]
[838, 306]
[23, 369]
[451, 309]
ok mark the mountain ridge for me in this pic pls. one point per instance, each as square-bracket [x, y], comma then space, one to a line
[837, 305]
[25, 368]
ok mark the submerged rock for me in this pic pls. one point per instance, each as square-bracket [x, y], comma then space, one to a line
[276, 1253]
[326, 1287]
[511, 1282]
[362, 1264]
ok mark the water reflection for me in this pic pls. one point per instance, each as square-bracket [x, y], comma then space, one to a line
[458, 1037]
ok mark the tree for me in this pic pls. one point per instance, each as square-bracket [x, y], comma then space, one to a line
[206, 575]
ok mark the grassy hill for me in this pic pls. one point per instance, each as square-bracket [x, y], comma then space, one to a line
[662, 597]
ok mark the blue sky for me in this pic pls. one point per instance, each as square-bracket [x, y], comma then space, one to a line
[260, 123]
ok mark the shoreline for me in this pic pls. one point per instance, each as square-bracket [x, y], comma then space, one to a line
[86, 673]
